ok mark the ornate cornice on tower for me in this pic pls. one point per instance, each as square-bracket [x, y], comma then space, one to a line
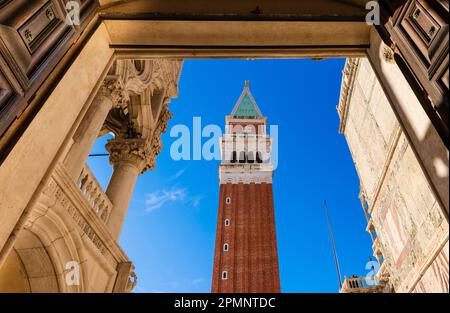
[246, 174]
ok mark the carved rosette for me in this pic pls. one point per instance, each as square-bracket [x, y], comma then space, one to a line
[112, 88]
[137, 152]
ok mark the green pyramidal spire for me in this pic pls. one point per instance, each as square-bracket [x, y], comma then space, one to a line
[246, 105]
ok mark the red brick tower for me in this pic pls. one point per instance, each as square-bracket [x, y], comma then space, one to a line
[246, 258]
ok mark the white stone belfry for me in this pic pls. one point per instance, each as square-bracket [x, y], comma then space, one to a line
[246, 147]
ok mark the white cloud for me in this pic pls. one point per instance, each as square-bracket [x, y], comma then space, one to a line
[197, 281]
[155, 200]
[195, 200]
[178, 174]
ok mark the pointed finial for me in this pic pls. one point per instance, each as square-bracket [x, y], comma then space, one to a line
[247, 83]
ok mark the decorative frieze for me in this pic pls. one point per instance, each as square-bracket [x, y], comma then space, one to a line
[79, 220]
[246, 174]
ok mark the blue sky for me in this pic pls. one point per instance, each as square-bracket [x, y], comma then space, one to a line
[169, 232]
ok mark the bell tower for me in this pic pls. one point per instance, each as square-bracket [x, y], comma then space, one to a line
[246, 258]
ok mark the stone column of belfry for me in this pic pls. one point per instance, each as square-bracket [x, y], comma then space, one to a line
[109, 95]
[246, 258]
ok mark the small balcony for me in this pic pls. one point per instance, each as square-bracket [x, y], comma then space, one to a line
[369, 284]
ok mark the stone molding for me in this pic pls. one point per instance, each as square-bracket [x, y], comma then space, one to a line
[348, 81]
[246, 174]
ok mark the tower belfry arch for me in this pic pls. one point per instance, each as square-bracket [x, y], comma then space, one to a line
[43, 60]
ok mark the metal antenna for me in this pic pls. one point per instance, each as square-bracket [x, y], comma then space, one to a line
[98, 154]
[336, 261]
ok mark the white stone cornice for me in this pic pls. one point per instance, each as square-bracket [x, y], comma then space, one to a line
[246, 174]
[348, 81]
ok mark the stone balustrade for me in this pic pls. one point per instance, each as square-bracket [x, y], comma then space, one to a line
[94, 194]
[368, 284]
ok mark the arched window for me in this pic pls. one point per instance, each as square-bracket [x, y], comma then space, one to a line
[242, 157]
[258, 157]
[228, 200]
[251, 157]
[226, 247]
[234, 157]
[227, 222]
[249, 129]
[224, 275]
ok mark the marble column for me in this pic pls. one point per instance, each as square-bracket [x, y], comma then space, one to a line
[109, 95]
[129, 158]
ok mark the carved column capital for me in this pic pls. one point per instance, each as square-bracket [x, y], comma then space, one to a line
[140, 152]
[137, 152]
[112, 88]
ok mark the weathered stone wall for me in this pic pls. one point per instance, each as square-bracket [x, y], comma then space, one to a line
[410, 225]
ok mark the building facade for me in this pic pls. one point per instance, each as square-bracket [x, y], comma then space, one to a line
[64, 81]
[406, 221]
[246, 258]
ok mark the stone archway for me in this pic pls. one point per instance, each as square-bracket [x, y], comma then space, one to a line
[13, 275]
[38, 261]
[28, 268]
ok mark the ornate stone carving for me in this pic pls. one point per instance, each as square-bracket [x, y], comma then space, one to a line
[132, 281]
[140, 152]
[136, 152]
[161, 128]
[112, 88]
[388, 54]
